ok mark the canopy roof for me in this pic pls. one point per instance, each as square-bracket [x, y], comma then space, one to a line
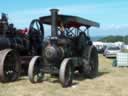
[69, 21]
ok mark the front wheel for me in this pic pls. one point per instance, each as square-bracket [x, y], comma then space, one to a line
[34, 70]
[66, 72]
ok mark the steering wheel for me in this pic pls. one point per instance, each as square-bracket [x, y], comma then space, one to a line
[36, 35]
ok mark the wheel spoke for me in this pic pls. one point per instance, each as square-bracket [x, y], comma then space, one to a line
[37, 24]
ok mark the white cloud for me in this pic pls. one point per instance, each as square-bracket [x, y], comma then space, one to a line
[111, 29]
[22, 18]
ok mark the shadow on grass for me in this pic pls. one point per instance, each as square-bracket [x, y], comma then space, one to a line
[77, 77]
[17, 80]
[102, 73]
[111, 58]
[81, 77]
[57, 81]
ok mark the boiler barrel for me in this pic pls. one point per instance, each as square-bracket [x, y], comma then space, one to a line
[4, 43]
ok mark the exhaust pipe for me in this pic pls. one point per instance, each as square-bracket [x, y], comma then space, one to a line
[54, 13]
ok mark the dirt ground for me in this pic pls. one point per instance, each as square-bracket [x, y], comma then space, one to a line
[110, 82]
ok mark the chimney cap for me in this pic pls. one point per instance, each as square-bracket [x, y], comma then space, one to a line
[54, 10]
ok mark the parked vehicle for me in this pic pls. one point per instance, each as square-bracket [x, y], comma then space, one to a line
[68, 49]
[111, 51]
[17, 48]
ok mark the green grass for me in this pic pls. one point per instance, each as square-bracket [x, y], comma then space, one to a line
[110, 82]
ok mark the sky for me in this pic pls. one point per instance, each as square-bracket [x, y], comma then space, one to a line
[111, 14]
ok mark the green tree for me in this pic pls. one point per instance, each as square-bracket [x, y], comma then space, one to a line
[115, 39]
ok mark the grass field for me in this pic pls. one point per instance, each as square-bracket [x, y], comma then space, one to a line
[110, 82]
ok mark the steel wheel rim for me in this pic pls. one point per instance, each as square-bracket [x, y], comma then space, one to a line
[34, 72]
[68, 74]
[9, 71]
[38, 75]
[93, 62]
[9, 68]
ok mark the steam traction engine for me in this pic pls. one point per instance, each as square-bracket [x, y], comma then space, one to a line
[68, 49]
[17, 48]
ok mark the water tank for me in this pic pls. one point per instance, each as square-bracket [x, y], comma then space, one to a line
[122, 59]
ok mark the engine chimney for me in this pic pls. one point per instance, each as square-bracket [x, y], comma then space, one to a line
[54, 13]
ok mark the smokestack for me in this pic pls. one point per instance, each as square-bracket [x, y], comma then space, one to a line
[54, 13]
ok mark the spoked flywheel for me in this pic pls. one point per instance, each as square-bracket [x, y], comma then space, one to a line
[36, 36]
[9, 65]
[66, 72]
[34, 70]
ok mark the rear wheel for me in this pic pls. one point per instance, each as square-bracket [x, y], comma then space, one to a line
[9, 65]
[90, 66]
[34, 70]
[66, 72]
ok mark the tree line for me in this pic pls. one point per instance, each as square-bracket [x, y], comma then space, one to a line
[115, 39]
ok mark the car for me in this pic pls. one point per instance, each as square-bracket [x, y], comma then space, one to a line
[111, 51]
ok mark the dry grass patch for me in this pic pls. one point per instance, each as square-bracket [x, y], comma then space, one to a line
[110, 82]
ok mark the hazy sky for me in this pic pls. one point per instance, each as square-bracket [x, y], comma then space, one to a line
[111, 14]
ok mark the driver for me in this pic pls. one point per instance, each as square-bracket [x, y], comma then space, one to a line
[61, 30]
